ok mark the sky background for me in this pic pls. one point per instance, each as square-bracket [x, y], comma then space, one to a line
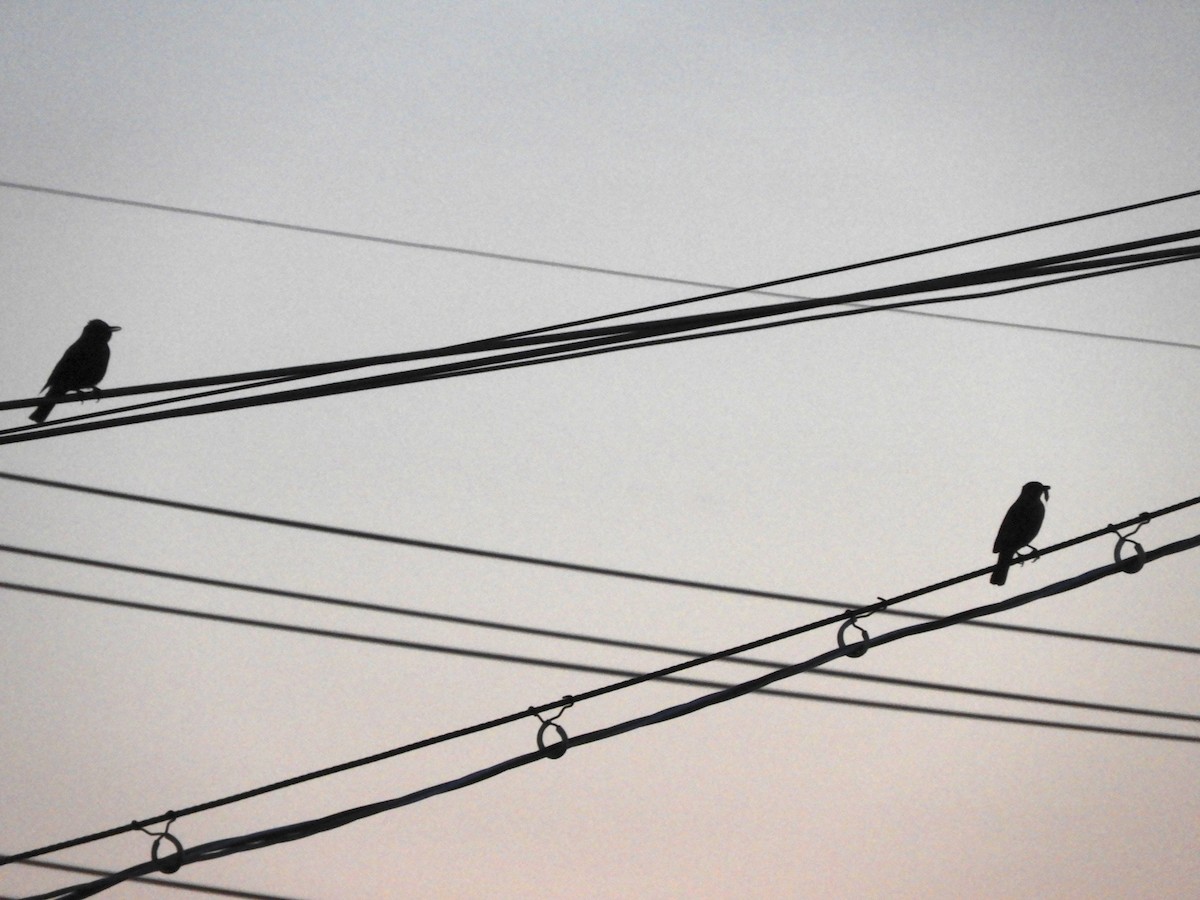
[849, 459]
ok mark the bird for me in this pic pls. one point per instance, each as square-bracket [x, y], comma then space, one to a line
[81, 367]
[1020, 526]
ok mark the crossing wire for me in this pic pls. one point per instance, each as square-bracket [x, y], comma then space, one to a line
[574, 344]
[156, 882]
[507, 627]
[758, 684]
[607, 670]
[605, 571]
[300, 830]
[528, 260]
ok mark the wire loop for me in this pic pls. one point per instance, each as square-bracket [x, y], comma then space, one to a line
[1133, 564]
[859, 648]
[559, 747]
[168, 865]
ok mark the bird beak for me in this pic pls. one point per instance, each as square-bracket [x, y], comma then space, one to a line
[114, 327]
[1046, 491]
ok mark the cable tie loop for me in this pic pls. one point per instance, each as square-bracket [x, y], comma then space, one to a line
[168, 865]
[559, 747]
[1133, 564]
[860, 647]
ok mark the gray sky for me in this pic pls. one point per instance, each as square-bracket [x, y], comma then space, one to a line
[849, 459]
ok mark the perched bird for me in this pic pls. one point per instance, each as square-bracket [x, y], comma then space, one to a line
[82, 366]
[1020, 526]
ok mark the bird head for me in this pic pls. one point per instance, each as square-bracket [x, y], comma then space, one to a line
[1033, 488]
[101, 329]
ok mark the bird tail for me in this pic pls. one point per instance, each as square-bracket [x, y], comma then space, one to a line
[43, 410]
[1000, 573]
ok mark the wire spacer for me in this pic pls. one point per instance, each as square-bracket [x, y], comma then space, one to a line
[859, 648]
[559, 747]
[168, 865]
[1133, 564]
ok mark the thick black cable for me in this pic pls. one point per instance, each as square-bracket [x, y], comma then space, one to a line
[609, 334]
[581, 348]
[157, 882]
[515, 360]
[327, 232]
[901, 307]
[299, 830]
[588, 569]
[454, 735]
[248, 380]
[764, 286]
[503, 720]
[1032, 268]
[150, 404]
[858, 309]
[553, 354]
[571, 636]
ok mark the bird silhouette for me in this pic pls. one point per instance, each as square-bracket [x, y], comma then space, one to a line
[81, 367]
[1020, 526]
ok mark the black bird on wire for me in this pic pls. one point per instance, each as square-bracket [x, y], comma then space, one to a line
[81, 367]
[1020, 526]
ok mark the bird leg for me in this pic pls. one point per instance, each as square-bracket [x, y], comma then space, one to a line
[1034, 554]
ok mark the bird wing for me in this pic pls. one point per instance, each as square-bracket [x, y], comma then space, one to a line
[1004, 535]
[82, 366]
[62, 370]
[1020, 526]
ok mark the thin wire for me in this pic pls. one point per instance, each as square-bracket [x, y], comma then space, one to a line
[527, 260]
[595, 692]
[299, 830]
[418, 543]
[157, 882]
[588, 569]
[555, 634]
[590, 639]
[1050, 329]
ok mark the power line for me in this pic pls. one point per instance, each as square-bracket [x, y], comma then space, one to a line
[418, 543]
[610, 339]
[905, 307]
[1027, 269]
[1050, 329]
[157, 882]
[574, 345]
[671, 581]
[757, 684]
[525, 630]
[528, 260]
[454, 735]
[299, 830]
[597, 670]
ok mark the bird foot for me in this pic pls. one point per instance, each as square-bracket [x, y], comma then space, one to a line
[1034, 554]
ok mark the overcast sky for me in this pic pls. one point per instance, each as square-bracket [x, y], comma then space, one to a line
[850, 459]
